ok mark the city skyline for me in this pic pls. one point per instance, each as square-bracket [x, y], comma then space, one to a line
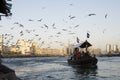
[58, 23]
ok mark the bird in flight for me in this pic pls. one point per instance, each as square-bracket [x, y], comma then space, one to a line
[71, 17]
[105, 15]
[40, 20]
[91, 14]
[46, 26]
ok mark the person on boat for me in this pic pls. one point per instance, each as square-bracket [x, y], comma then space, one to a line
[0, 61]
[82, 54]
[78, 56]
[0, 58]
[75, 53]
[94, 55]
[87, 54]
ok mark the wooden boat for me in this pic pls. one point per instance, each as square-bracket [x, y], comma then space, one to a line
[86, 60]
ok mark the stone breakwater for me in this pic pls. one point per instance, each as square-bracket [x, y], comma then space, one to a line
[7, 73]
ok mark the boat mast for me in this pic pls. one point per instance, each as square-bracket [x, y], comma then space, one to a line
[88, 35]
[2, 44]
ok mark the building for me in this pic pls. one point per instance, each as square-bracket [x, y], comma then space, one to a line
[108, 48]
[70, 49]
[1, 44]
[24, 46]
[115, 48]
[96, 51]
[13, 48]
[112, 49]
[35, 48]
[63, 51]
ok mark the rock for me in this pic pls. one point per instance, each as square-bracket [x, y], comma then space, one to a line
[7, 73]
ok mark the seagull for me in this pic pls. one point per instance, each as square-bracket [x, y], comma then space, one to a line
[40, 20]
[91, 14]
[71, 17]
[21, 33]
[46, 26]
[104, 31]
[36, 35]
[28, 31]
[21, 25]
[64, 29]
[12, 28]
[71, 33]
[15, 23]
[39, 39]
[30, 20]
[42, 43]
[41, 26]
[76, 26]
[59, 33]
[53, 24]
[71, 4]
[105, 15]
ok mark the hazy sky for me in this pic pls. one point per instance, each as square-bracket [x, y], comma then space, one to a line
[58, 22]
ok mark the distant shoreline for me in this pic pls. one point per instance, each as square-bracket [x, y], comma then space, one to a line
[28, 56]
[109, 55]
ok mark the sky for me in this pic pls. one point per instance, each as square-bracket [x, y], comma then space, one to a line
[57, 23]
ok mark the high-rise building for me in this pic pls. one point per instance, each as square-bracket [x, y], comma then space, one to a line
[70, 49]
[108, 48]
[115, 48]
[1, 44]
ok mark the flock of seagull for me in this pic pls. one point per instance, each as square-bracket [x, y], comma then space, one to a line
[8, 38]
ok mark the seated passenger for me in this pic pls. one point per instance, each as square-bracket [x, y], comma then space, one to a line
[75, 53]
[87, 54]
[78, 56]
[0, 58]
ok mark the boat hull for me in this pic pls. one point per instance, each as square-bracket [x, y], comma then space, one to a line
[88, 62]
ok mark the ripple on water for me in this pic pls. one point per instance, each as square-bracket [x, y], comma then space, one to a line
[57, 68]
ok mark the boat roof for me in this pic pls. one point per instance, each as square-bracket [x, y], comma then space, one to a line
[82, 44]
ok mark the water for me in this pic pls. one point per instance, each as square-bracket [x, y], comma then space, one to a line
[57, 68]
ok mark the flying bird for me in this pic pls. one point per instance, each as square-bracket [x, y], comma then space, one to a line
[104, 31]
[91, 14]
[64, 29]
[71, 4]
[39, 39]
[71, 17]
[21, 33]
[36, 35]
[20, 25]
[76, 26]
[15, 23]
[12, 28]
[59, 33]
[30, 20]
[105, 15]
[40, 20]
[46, 26]
[53, 24]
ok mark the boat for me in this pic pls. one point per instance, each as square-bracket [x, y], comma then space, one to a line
[87, 62]
[84, 61]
